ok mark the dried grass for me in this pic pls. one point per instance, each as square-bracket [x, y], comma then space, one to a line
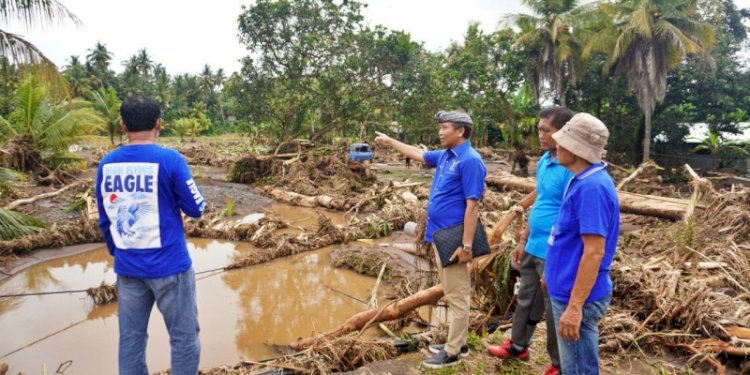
[668, 299]
[84, 231]
[103, 294]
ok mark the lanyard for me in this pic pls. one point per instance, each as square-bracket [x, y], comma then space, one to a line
[582, 176]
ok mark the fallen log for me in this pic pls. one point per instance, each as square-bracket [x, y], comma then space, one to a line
[19, 202]
[296, 199]
[399, 308]
[516, 212]
[648, 205]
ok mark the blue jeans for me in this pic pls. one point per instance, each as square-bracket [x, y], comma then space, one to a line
[582, 356]
[175, 297]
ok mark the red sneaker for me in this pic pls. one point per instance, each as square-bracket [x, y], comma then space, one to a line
[506, 351]
[552, 370]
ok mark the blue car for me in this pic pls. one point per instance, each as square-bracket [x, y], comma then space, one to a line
[360, 152]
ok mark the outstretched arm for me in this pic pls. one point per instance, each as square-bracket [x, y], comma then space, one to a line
[409, 151]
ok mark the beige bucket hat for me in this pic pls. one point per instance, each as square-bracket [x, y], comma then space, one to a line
[585, 136]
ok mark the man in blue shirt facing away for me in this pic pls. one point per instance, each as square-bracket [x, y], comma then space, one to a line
[141, 189]
[457, 186]
[531, 251]
[582, 244]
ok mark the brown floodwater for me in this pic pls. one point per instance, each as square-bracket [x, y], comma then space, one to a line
[243, 313]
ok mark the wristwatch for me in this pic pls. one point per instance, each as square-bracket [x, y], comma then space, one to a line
[466, 248]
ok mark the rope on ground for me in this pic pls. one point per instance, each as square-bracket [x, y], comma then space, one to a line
[223, 269]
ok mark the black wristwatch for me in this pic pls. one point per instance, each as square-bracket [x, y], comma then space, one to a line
[466, 248]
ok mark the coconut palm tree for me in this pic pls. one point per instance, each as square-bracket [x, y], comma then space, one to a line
[106, 102]
[644, 40]
[77, 77]
[548, 35]
[207, 82]
[98, 59]
[143, 63]
[53, 127]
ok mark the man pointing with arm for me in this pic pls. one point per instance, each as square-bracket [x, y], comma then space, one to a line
[457, 186]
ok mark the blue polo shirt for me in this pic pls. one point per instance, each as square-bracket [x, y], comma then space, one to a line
[551, 180]
[590, 206]
[459, 175]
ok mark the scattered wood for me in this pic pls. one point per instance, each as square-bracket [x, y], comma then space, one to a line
[649, 205]
[399, 308]
[515, 212]
[296, 199]
[19, 202]
[644, 165]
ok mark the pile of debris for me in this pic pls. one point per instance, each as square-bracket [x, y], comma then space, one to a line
[685, 285]
[204, 154]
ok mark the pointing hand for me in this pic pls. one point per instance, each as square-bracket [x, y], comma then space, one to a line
[382, 139]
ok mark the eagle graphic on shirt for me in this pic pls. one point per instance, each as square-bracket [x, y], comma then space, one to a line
[129, 214]
[131, 200]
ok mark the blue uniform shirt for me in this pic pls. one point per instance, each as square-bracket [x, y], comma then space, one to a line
[140, 191]
[590, 206]
[459, 175]
[551, 180]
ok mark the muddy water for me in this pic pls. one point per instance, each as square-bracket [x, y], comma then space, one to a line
[242, 312]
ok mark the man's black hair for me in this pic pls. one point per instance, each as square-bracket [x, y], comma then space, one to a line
[465, 125]
[558, 116]
[140, 113]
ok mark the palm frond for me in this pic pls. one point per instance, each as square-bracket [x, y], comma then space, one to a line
[703, 33]
[6, 130]
[35, 13]
[10, 175]
[19, 50]
[65, 126]
[15, 224]
[65, 160]
[30, 98]
[640, 21]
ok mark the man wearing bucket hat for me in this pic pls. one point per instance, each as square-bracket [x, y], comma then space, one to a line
[582, 244]
[454, 199]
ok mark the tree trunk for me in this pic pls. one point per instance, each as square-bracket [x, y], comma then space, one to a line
[649, 205]
[399, 308]
[301, 200]
[647, 137]
[13, 205]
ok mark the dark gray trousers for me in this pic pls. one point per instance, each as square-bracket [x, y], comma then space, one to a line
[532, 301]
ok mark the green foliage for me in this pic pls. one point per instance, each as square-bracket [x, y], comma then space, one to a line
[645, 39]
[54, 127]
[474, 340]
[7, 176]
[15, 224]
[229, 209]
[182, 127]
[480, 74]
[77, 204]
[519, 131]
[549, 36]
[107, 104]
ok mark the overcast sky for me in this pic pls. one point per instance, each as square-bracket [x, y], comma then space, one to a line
[184, 35]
